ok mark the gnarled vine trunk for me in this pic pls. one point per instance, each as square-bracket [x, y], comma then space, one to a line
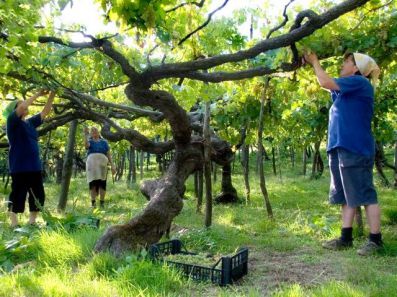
[165, 194]
[165, 203]
[228, 193]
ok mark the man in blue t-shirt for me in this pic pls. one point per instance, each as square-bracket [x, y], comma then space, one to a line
[24, 158]
[351, 147]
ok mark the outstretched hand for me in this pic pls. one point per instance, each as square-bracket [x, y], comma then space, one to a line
[310, 57]
[42, 92]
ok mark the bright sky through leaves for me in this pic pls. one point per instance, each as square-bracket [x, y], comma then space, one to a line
[88, 14]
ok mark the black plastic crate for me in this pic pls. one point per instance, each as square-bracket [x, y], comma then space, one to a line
[232, 267]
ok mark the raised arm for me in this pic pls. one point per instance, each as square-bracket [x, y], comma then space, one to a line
[323, 78]
[23, 106]
[48, 106]
[86, 137]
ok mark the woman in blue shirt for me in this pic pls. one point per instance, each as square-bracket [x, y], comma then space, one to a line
[24, 157]
[98, 156]
[351, 147]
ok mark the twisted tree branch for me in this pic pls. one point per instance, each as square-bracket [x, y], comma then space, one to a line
[198, 4]
[204, 24]
[314, 23]
[283, 23]
[102, 45]
[220, 76]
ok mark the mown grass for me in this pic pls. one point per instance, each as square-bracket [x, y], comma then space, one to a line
[57, 262]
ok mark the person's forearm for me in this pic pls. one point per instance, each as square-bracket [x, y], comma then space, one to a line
[30, 100]
[323, 78]
[48, 106]
[86, 142]
[26, 103]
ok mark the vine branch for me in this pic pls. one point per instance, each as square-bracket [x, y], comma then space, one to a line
[198, 4]
[204, 24]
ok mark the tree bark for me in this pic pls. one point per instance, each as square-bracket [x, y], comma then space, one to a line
[129, 174]
[164, 194]
[379, 159]
[292, 151]
[304, 161]
[215, 171]
[165, 203]
[45, 156]
[133, 164]
[207, 166]
[279, 164]
[141, 165]
[228, 193]
[58, 169]
[200, 187]
[309, 151]
[257, 162]
[245, 165]
[260, 153]
[120, 168]
[67, 167]
[318, 164]
[147, 161]
[159, 161]
[274, 165]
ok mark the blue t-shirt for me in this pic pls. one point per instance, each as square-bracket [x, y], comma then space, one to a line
[100, 146]
[24, 155]
[350, 116]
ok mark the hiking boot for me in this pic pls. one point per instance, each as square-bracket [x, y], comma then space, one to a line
[337, 244]
[369, 248]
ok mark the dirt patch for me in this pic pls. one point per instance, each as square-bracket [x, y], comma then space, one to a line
[270, 270]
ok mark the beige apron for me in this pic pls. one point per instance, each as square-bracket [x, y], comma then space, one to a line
[97, 167]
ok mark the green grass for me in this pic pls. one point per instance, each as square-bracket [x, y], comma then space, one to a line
[286, 255]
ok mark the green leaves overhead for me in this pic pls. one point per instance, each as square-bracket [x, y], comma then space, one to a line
[17, 19]
[142, 14]
[150, 32]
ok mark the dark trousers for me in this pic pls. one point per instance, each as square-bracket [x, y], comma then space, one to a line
[23, 183]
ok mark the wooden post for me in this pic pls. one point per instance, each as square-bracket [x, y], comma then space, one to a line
[67, 167]
[207, 166]
[260, 154]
